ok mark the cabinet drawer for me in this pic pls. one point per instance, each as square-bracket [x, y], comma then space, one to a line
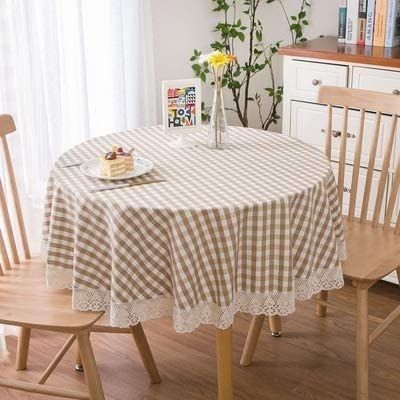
[307, 77]
[377, 80]
[309, 122]
[360, 191]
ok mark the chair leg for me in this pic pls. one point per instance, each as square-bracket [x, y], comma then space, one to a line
[23, 348]
[90, 367]
[275, 324]
[145, 352]
[362, 343]
[252, 339]
[78, 360]
[322, 310]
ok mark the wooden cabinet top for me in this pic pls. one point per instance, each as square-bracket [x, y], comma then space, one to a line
[328, 48]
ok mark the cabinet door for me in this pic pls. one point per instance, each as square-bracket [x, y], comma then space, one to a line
[377, 80]
[360, 191]
[309, 122]
[305, 78]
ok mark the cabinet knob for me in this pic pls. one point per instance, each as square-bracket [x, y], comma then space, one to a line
[346, 190]
[336, 134]
[316, 82]
[396, 92]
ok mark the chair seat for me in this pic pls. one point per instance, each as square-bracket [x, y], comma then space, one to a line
[26, 301]
[372, 253]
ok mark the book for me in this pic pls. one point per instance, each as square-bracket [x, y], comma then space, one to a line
[380, 22]
[369, 33]
[362, 21]
[392, 37]
[352, 21]
[342, 21]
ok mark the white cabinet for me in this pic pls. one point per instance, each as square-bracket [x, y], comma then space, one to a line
[377, 80]
[305, 119]
[360, 191]
[309, 122]
[307, 77]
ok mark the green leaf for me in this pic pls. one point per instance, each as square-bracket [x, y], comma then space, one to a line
[236, 84]
[237, 73]
[196, 67]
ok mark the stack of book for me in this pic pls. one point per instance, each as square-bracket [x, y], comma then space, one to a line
[370, 22]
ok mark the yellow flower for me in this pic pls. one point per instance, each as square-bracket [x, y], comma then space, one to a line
[218, 59]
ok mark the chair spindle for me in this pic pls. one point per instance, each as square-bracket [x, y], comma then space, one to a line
[328, 137]
[8, 226]
[5, 262]
[392, 198]
[397, 229]
[15, 198]
[342, 155]
[356, 167]
[370, 170]
[384, 172]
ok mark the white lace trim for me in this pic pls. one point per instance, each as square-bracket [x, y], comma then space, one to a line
[185, 321]
[59, 278]
[342, 250]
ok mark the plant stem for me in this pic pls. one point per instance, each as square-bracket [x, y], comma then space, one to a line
[288, 20]
[253, 10]
[230, 48]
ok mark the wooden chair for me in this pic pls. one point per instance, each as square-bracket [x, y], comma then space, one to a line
[25, 301]
[373, 244]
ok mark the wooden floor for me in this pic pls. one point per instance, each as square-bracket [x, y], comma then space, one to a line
[313, 360]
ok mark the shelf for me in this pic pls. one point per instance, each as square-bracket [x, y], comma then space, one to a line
[328, 48]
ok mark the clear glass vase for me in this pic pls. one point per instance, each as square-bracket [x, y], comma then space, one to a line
[218, 135]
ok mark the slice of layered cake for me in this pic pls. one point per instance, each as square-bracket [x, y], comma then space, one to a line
[116, 162]
[129, 164]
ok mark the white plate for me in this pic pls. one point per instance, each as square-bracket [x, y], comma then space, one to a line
[92, 168]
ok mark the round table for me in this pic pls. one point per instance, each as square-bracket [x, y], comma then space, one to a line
[249, 229]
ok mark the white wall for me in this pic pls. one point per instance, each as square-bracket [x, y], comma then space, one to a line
[181, 25]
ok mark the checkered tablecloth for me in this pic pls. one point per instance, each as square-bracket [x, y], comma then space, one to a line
[249, 229]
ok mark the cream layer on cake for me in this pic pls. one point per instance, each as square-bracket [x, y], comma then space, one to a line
[113, 168]
[129, 164]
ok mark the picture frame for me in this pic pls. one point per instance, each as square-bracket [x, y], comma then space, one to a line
[181, 109]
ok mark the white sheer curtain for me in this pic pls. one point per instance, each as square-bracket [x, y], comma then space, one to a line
[70, 70]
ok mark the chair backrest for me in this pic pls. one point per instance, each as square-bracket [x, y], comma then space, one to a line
[378, 103]
[7, 126]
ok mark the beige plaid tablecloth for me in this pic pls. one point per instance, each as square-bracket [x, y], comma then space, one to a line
[249, 229]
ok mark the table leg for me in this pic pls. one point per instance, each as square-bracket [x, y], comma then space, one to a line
[275, 325]
[224, 364]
